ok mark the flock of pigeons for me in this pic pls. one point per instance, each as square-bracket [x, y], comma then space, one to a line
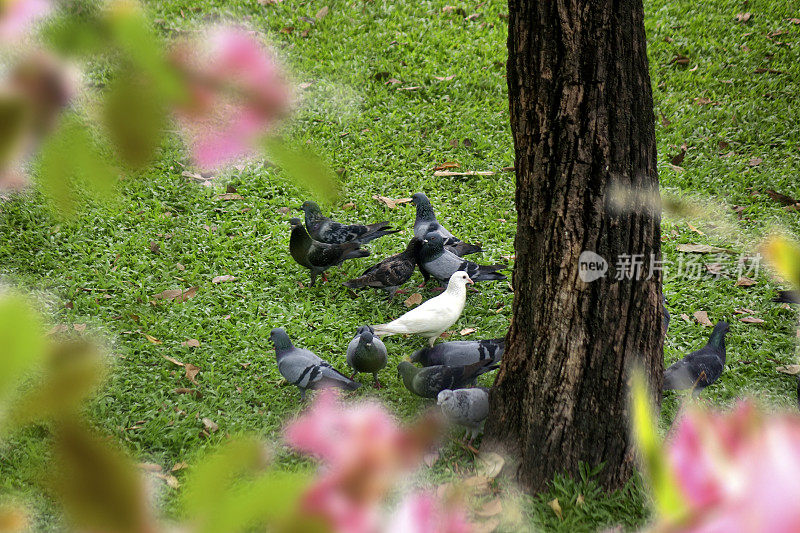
[450, 369]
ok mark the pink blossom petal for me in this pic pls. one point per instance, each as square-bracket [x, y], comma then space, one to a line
[18, 16]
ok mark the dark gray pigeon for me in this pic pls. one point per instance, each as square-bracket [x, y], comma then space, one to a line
[436, 261]
[326, 230]
[304, 369]
[319, 256]
[366, 353]
[460, 353]
[700, 368]
[787, 297]
[428, 382]
[426, 218]
[665, 320]
[390, 273]
[465, 407]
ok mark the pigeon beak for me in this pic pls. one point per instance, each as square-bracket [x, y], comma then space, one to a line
[469, 280]
[424, 241]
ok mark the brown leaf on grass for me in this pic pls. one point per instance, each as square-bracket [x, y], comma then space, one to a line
[155, 247]
[556, 507]
[392, 81]
[391, 203]
[466, 331]
[767, 70]
[191, 343]
[789, 369]
[680, 60]
[348, 206]
[58, 328]
[210, 425]
[781, 198]
[223, 279]
[414, 299]
[228, 196]
[490, 508]
[151, 338]
[751, 320]
[322, 13]
[79, 327]
[744, 281]
[754, 162]
[180, 266]
[171, 481]
[191, 372]
[580, 500]
[701, 249]
[678, 159]
[794, 21]
[723, 145]
[489, 464]
[714, 268]
[702, 318]
[704, 101]
[179, 466]
[465, 173]
[411, 88]
[686, 318]
[743, 17]
[445, 78]
[150, 467]
[744, 311]
[287, 30]
[446, 165]
[177, 295]
[173, 360]
[269, 2]
[694, 229]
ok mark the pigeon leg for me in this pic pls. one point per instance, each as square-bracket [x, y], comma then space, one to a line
[432, 340]
[302, 395]
[376, 384]
[324, 277]
[353, 377]
[313, 279]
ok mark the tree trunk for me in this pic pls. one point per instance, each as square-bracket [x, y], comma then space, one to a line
[583, 125]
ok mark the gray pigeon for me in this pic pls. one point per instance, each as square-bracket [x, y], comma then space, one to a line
[665, 320]
[428, 382]
[366, 353]
[326, 230]
[700, 368]
[465, 407]
[319, 256]
[460, 353]
[304, 369]
[390, 273]
[436, 261]
[426, 218]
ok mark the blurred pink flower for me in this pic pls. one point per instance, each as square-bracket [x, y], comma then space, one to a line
[237, 92]
[424, 512]
[363, 452]
[739, 471]
[18, 16]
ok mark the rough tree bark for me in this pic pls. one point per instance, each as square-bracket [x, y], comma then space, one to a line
[584, 137]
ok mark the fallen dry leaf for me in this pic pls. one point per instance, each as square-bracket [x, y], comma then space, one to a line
[580, 500]
[744, 282]
[789, 369]
[391, 203]
[446, 165]
[179, 466]
[702, 318]
[694, 229]
[210, 425]
[155, 247]
[744, 311]
[222, 279]
[680, 60]
[321, 13]
[151, 338]
[191, 372]
[150, 467]
[678, 159]
[348, 206]
[184, 390]
[445, 78]
[228, 196]
[414, 299]
[173, 360]
[79, 327]
[466, 331]
[714, 268]
[490, 508]
[751, 320]
[171, 481]
[180, 266]
[556, 507]
[754, 162]
[700, 249]
[465, 173]
[781, 198]
[177, 294]
[743, 17]
[685, 317]
[191, 343]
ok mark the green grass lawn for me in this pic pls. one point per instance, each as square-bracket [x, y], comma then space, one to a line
[384, 138]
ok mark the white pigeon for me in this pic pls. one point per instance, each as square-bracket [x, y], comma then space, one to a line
[434, 316]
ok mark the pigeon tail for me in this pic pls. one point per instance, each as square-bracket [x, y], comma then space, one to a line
[355, 254]
[464, 248]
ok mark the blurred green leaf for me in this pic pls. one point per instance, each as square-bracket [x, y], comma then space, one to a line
[134, 116]
[14, 115]
[98, 486]
[670, 503]
[22, 343]
[784, 255]
[71, 373]
[71, 157]
[76, 34]
[272, 498]
[304, 167]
